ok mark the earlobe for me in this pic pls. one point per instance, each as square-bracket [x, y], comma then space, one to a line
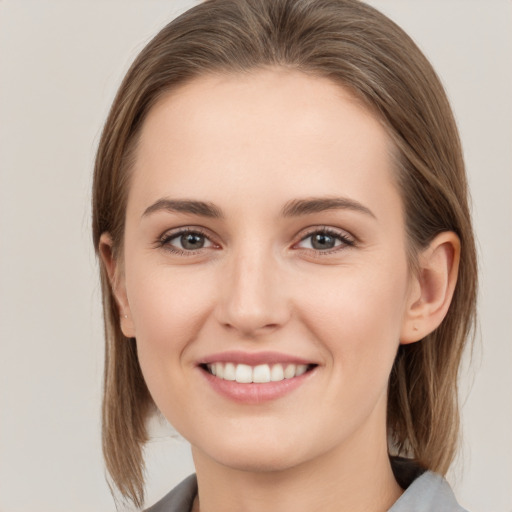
[432, 288]
[117, 284]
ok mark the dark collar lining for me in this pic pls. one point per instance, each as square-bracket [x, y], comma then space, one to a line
[405, 470]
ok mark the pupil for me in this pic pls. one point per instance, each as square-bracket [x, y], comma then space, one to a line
[192, 241]
[323, 241]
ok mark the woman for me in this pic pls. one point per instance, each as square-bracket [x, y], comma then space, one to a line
[288, 265]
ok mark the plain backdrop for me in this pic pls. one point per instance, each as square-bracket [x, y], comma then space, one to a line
[60, 65]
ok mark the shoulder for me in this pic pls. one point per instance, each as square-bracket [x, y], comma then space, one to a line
[426, 492]
[180, 499]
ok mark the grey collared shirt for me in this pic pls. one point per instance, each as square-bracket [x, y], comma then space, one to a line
[429, 492]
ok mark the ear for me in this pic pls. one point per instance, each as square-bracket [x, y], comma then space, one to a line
[117, 283]
[432, 287]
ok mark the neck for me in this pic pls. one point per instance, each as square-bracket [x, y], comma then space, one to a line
[355, 477]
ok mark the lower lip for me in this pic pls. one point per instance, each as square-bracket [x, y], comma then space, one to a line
[255, 393]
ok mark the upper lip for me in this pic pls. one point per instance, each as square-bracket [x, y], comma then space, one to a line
[253, 358]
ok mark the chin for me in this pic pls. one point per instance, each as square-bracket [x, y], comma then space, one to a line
[255, 455]
[258, 462]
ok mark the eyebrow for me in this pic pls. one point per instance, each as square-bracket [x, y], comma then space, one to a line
[297, 207]
[293, 208]
[201, 208]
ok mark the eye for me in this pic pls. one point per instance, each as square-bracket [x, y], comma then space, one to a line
[325, 240]
[185, 241]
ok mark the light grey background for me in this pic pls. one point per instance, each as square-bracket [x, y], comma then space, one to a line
[60, 64]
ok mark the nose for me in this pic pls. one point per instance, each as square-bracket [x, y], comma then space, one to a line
[253, 295]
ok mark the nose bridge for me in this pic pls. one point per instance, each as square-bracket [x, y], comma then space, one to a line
[253, 298]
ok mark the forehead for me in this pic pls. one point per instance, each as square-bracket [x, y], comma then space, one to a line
[270, 130]
[257, 101]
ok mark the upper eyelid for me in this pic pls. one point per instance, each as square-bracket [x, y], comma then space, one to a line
[327, 229]
[175, 232]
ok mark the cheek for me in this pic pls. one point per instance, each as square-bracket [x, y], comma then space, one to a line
[168, 308]
[358, 315]
[168, 311]
[168, 305]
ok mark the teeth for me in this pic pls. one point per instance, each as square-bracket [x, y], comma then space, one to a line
[301, 368]
[289, 371]
[229, 371]
[243, 373]
[262, 373]
[277, 373]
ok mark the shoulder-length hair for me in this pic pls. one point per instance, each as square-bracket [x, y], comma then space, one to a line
[357, 47]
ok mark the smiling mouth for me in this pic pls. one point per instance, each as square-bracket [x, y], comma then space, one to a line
[259, 374]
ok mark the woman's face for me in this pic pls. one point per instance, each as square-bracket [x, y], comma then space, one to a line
[265, 238]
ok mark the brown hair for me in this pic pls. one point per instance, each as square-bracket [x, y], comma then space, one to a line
[356, 46]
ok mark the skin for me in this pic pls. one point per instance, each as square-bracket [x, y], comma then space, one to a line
[249, 145]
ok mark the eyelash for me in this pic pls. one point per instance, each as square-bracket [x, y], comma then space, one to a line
[346, 241]
[164, 241]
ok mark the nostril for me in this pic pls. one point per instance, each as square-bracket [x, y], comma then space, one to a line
[250, 329]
